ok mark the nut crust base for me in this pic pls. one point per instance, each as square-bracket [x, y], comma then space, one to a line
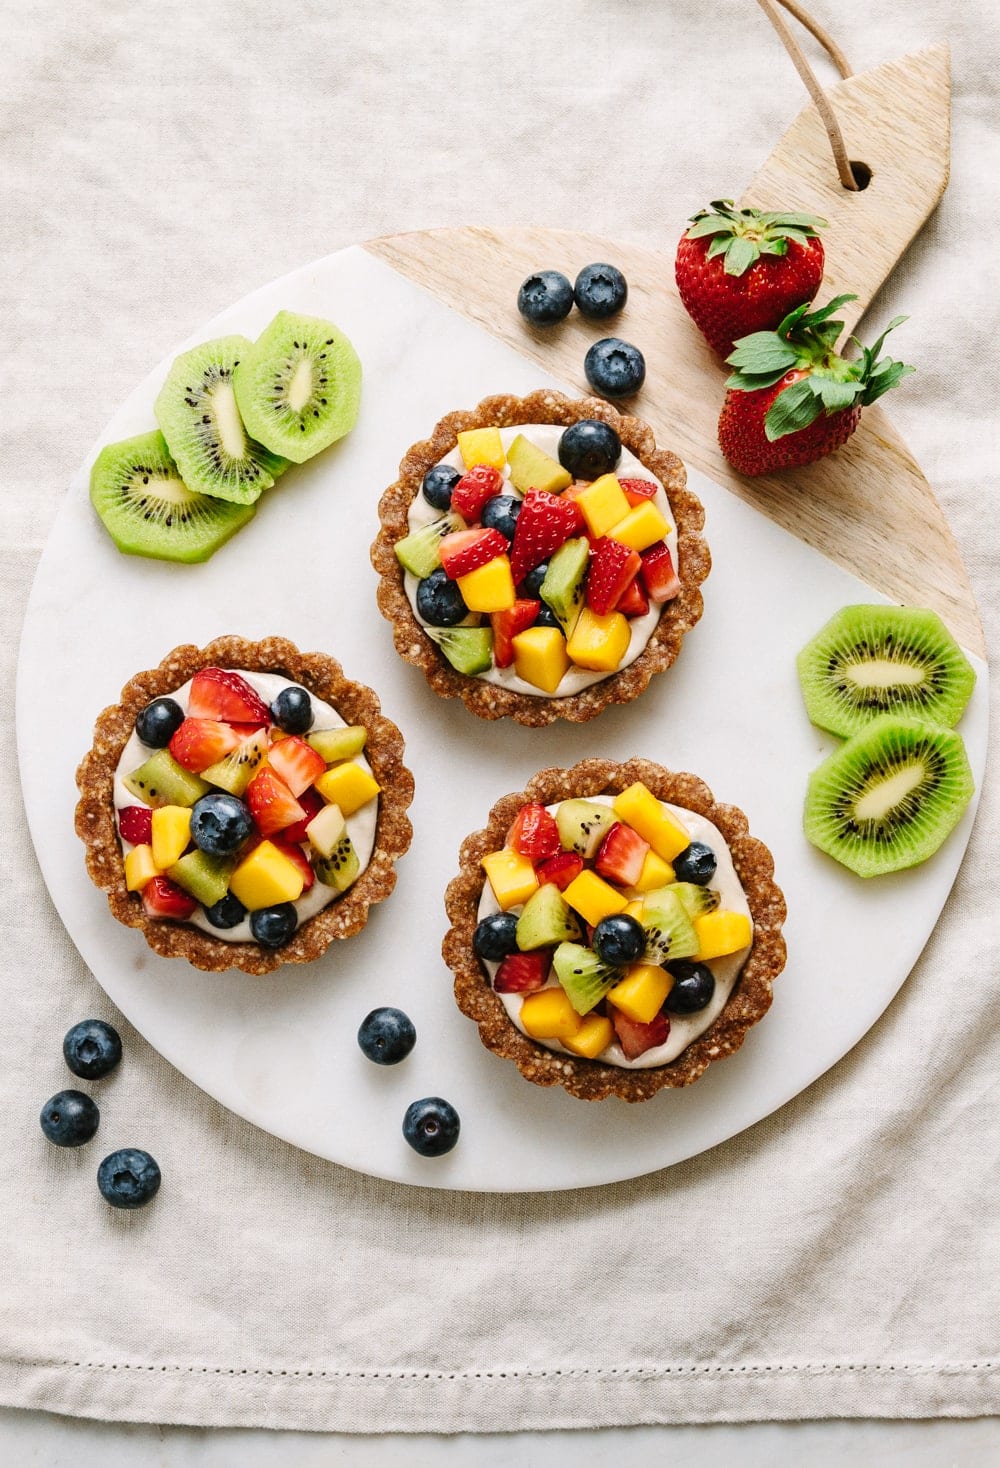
[485, 699]
[321, 675]
[592, 1080]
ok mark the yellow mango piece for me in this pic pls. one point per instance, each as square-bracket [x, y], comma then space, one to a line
[642, 991]
[140, 868]
[634, 909]
[265, 878]
[482, 446]
[655, 873]
[722, 932]
[593, 898]
[642, 527]
[171, 834]
[490, 588]
[531, 468]
[511, 876]
[599, 642]
[325, 829]
[603, 504]
[594, 1035]
[548, 1015]
[640, 809]
[540, 657]
[349, 786]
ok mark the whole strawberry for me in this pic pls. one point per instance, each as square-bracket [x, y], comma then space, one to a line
[792, 399]
[739, 270]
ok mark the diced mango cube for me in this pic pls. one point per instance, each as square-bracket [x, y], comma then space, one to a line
[540, 657]
[140, 868]
[655, 873]
[490, 588]
[640, 809]
[265, 878]
[548, 1015]
[171, 834]
[635, 909]
[532, 468]
[348, 785]
[599, 642]
[593, 898]
[722, 932]
[641, 527]
[595, 1034]
[641, 993]
[602, 504]
[511, 876]
[325, 829]
[482, 446]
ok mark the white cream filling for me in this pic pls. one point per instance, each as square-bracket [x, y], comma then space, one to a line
[546, 436]
[360, 826]
[683, 1027]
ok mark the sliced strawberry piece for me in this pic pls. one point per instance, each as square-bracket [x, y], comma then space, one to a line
[561, 869]
[620, 856]
[162, 898]
[637, 490]
[522, 973]
[135, 824]
[298, 858]
[312, 804]
[474, 489]
[506, 626]
[546, 521]
[272, 804]
[296, 762]
[612, 567]
[658, 574]
[198, 743]
[633, 601]
[218, 694]
[534, 833]
[636, 1038]
[466, 550]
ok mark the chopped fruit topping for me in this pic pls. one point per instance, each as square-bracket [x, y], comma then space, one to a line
[419, 552]
[296, 763]
[466, 550]
[135, 824]
[531, 468]
[545, 522]
[326, 829]
[637, 490]
[594, 1035]
[540, 657]
[491, 588]
[199, 743]
[602, 504]
[266, 878]
[349, 786]
[560, 869]
[639, 808]
[298, 859]
[592, 898]
[312, 804]
[507, 624]
[162, 781]
[583, 825]
[481, 446]
[584, 977]
[171, 832]
[534, 833]
[235, 772]
[612, 570]
[620, 939]
[548, 1015]
[218, 694]
[468, 649]
[522, 973]
[633, 601]
[721, 932]
[140, 868]
[511, 876]
[642, 527]
[273, 807]
[641, 993]
[563, 587]
[621, 856]
[474, 489]
[545, 920]
[658, 574]
[339, 870]
[205, 877]
[655, 873]
[599, 643]
[336, 744]
[162, 898]
[636, 1038]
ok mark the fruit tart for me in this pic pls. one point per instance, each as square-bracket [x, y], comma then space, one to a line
[540, 558]
[244, 804]
[614, 929]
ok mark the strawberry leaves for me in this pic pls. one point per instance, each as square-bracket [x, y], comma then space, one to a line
[742, 236]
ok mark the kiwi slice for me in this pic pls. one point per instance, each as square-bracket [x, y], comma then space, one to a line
[340, 869]
[148, 510]
[299, 386]
[669, 930]
[695, 900]
[872, 660]
[889, 796]
[468, 649]
[236, 770]
[420, 551]
[546, 918]
[583, 825]
[565, 580]
[338, 744]
[162, 781]
[204, 877]
[585, 977]
[196, 410]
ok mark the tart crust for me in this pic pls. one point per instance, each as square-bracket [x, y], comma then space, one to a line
[485, 699]
[321, 675]
[593, 1080]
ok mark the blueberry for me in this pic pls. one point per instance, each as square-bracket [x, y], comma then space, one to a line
[69, 1118]
[292, 710]
[696, 863]
[220, 823]
[273, 926]
[431, 1126]
[619, 940]
[533, 580]
[228, 912]
[438, 484]
[500, 513]
[589, 449]
[614, 368]
[439, 600]
[158, 722]
[387, 1036]
[495, 936]
[128, 1178]
[694, 985]
[92, 1048]
[545, 297]
[546, 618]
[600, 291]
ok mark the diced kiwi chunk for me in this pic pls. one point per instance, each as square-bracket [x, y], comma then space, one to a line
[889, 796]
[468, 649]
[532, 468]
[419, 552]
[545, 919]
[337, 744]
[584, 976]
[148, 510]
[565, 582]
[298, 386]
[695, 900]
[235, 772]
[205, 877]
[873, 660]
[341, 868]
[162, 781]
[669, 930]
[583, 825]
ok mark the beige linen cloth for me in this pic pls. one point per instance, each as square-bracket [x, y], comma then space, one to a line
[839, 1259]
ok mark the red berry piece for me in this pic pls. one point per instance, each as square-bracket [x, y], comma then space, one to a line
[312, 803]
[560, 869]
[546, 521]
[658, 574]
[466, 550]
[219, 694]
[522, 973]
[199, 743]
[534, 833]
[298, 858]
[637, 490]
[612, 567]
[272, 804]
[507, 624]
[135, 824]
[636, 1038]
[162, 898]
[296, 763]
[474, 489]
[633, 601]
[620, 856]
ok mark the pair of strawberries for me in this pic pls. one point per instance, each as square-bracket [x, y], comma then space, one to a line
[747, 279]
